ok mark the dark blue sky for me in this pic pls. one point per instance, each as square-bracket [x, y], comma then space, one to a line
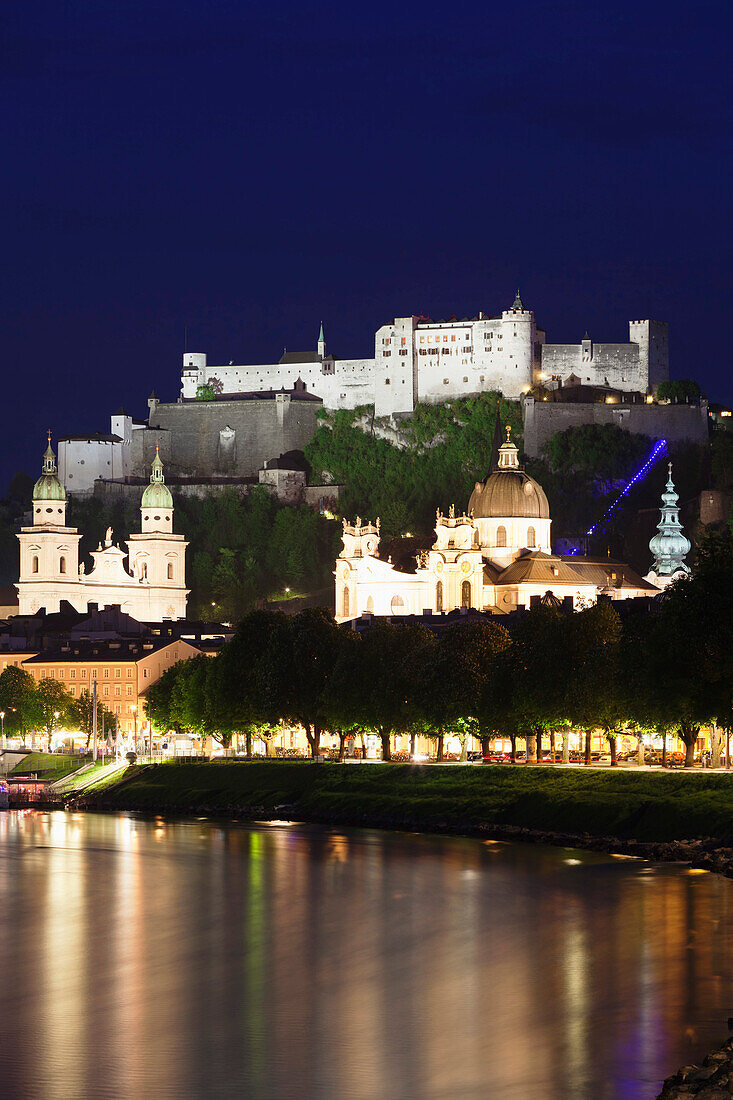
[246, 169]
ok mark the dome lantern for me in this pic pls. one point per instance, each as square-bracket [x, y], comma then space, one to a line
[48, 486]
[157, 494]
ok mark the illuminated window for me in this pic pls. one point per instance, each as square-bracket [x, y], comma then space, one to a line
[106, 673]
[118, 673]
[531, 537]
[439, 596]
[105, 689]
[129, 689]
[118, 689]
[466, 594]
[397, 605]
[501, 536]
[370, 606]
[345, 602]
[72, 673]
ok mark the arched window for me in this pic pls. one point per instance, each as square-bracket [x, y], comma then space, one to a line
[531, 537]
[397, 605]
[439, 596]
[62, 564]
[346, 602]
[34, 564]
[466, 594]
[370, 606]
[501, 536]
[170, 570]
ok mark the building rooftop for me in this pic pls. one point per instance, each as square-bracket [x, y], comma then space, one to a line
[118, 649]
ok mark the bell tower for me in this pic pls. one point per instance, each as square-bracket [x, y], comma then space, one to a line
[49, 550]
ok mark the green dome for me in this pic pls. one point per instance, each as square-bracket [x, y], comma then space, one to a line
[157, 494]
[48, 486]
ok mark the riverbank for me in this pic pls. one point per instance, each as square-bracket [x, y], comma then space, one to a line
[653, 816]
[713, 1079]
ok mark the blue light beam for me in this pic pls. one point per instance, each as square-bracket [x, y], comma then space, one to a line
[659, 449]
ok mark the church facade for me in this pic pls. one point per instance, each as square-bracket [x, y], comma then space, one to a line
[496, 556]
[147, 580]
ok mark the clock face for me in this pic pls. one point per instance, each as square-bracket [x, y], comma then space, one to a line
[465, 567]
[439, 567]
[369, 544]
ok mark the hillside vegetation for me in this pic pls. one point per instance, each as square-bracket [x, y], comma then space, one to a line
[447, 449]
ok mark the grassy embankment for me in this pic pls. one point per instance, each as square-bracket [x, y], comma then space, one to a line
[650, 807]
[47, 765]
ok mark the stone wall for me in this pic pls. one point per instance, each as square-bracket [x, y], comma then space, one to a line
[675, 423]
[230, 438]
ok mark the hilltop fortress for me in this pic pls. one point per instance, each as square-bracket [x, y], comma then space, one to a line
[419, 359]
[231, 422]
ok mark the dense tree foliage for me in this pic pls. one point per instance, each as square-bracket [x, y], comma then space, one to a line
[242, 550]
[680, 390]
[443, 450]
[665, 669]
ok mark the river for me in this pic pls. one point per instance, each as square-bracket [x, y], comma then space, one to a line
[152, 958]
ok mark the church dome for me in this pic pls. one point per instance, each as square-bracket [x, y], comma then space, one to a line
[48, 486]
[157, 494]
[508, 493]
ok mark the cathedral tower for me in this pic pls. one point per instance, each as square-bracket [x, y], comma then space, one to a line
[49, 550]
[157, 556]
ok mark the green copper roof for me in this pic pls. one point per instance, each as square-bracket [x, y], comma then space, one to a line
[670, 545]
[518, 303]
[321, 337]
[157, 494]
[48, 486]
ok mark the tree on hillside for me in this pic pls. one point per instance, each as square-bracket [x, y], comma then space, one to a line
[19, 700]
[80, 715]
[690, 646]
[537, 671]
[388, 691]
[679, 391]
[54, 706]
[591, 681]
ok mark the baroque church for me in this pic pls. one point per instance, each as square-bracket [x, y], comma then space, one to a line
[494, 557]
[150, 588]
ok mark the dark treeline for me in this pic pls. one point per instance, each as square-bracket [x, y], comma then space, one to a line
[668, 671]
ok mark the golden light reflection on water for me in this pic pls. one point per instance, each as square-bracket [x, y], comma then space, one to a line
[194, 959]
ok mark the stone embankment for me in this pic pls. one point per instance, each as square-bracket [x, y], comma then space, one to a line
[713, 1080]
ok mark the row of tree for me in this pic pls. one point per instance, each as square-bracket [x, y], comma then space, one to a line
[665, 670]
[46, 705]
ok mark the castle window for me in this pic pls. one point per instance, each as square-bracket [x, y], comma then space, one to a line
[386, 381]
[466, 594]
[170, 570]
[345, 602]
[439, 596]
[465, 378]
[34, 564]
[62, 565]
[397, 605]
[531, 537]
[501, 536]
[118, 673]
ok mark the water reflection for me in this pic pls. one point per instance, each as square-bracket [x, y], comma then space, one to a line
[192, 959]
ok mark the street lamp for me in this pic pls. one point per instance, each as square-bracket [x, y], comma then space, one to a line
[56, 718]
[133, 708]
[2, 726]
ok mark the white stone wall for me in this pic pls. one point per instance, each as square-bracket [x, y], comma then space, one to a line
[416, 359]
[81, 461]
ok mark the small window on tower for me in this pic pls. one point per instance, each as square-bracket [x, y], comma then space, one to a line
[170, 570]
[62, 565]
[34, 564]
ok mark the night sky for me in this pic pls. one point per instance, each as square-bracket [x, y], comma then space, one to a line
[245, 170]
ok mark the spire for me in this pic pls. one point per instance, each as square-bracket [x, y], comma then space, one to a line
[670, 545]
[321, 343]
[49, 458]
[508, 453]
[518, 303]
[156, 471]
[321, 337]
